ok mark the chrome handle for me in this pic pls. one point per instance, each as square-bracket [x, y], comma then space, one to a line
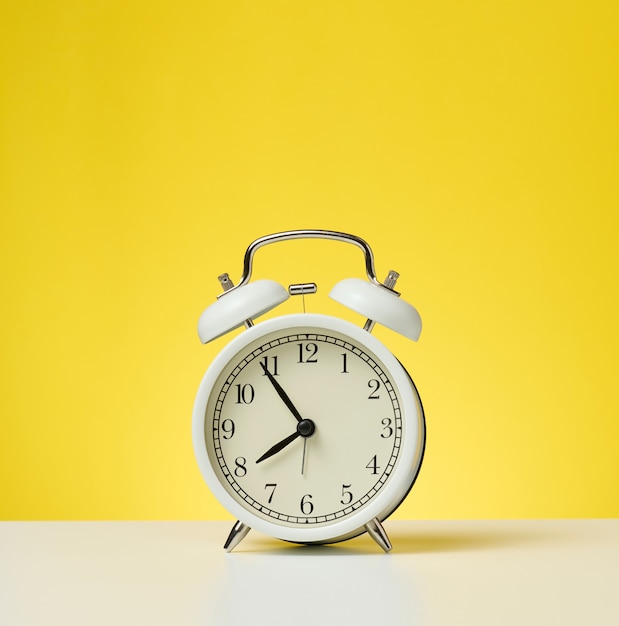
[305, 234]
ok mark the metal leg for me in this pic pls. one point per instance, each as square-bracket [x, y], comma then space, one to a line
[237, 534]
[377, 532]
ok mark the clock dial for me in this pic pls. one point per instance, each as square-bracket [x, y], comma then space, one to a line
[304, 426]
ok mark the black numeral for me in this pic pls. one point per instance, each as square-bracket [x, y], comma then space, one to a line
[244, 394]
[373, 385]
[344, 363]
[307, 508]
[346, 495]
[307, 353]
[241, 466]
[272, 487]
[265, 365]
[387, 428]
[227, 427]
[373, 465]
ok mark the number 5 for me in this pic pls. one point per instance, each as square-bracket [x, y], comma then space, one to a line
[346, 495]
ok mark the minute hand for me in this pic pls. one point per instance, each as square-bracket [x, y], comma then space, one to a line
[282, 394]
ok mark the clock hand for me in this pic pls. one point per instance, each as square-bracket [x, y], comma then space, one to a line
[305, 428]
[279, 446]
[303, 459]
[281, 393]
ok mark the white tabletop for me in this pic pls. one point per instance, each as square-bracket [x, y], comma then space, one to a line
[176, 573]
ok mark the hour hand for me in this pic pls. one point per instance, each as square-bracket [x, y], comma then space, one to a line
[305, 428]
[279, 446]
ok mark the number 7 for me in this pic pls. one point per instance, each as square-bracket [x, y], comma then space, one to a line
[271, 486]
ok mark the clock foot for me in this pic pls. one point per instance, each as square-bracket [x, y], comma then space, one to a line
[237, 534]
[377, 532]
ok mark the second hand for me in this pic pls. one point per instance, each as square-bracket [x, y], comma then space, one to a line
[303, 460]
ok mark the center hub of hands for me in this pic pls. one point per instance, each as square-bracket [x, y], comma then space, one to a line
[306, 428]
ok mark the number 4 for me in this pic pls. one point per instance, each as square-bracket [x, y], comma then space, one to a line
[373, 465]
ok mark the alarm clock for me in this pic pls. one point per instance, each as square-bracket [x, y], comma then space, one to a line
[305, 426]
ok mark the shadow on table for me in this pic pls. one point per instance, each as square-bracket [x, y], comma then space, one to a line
[442, 540]
[460, 541]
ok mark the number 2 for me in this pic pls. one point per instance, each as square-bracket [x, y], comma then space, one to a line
[374, 384]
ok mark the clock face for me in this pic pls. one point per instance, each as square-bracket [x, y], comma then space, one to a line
[304, 426]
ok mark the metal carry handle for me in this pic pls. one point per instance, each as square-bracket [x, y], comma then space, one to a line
[304, 234]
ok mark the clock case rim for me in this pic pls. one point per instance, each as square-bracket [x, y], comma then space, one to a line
[401, 481]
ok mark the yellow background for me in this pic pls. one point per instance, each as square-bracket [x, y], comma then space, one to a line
[144, 145]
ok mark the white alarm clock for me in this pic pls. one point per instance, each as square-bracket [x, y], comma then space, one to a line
[305, 426]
